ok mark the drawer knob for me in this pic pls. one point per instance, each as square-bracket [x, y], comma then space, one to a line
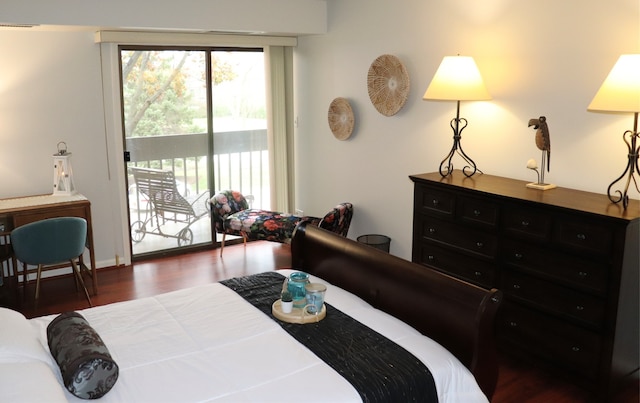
[582, 274]
[480, 245]
[579, 308]
[477, 273]
[432, 230]
[516, 286]
[575, 349]
[525, 223]
[518, 256]
[431, 258]
[513, 324]
[435, 202]
[476, 213]
[581, 237]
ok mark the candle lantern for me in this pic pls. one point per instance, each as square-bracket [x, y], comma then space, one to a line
[62, 172]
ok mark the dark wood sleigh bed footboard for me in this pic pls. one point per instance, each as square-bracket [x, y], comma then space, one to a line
[458, 315]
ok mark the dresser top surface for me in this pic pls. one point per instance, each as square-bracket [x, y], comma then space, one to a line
[588, 202]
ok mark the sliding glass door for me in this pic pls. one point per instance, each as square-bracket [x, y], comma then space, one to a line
[240, 143]
[194, 124]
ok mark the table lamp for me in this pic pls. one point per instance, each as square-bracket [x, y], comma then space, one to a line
[457, 79]
[620, 92]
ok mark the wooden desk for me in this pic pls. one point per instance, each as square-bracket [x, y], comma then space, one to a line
[18, 211]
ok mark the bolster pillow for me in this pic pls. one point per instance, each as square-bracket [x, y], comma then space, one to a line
[87, 369]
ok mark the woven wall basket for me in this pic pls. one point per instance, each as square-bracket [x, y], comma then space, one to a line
[341, 119]
[388, 84]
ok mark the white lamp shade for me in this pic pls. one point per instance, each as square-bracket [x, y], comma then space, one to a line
[457, 79]
[620, 91]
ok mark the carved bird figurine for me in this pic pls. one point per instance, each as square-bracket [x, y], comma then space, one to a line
[543, 142]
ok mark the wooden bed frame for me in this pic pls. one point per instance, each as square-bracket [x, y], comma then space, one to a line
[458, 315]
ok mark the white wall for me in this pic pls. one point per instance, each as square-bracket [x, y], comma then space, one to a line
[257, 16]
[537, 58]
[51, 89]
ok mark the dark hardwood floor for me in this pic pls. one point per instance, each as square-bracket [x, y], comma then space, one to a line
[518, 382]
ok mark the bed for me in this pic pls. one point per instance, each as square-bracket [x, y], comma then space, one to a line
[212, 344]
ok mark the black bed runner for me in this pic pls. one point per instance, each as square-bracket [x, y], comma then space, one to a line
[378, 368]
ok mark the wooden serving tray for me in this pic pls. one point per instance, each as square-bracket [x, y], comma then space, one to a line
[297, 315]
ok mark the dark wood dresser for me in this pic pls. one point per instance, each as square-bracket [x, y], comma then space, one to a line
[566, 260]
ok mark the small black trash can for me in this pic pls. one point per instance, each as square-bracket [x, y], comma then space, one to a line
[381, 242]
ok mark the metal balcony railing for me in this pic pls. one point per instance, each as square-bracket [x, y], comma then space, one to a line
[240, 162]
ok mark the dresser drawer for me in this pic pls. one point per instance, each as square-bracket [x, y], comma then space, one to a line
[566, 261]
[582, 274]
[527, 223]
[560, 343]
[474, 241]
[584, 236]
[458, 265]
[432, 200]
[554, 298]
[477, 211]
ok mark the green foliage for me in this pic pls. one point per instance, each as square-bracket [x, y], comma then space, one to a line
[164, 91]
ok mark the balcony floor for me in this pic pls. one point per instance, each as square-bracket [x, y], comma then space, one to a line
[153, 242]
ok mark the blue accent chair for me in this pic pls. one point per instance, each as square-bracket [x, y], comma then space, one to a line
[49, 242]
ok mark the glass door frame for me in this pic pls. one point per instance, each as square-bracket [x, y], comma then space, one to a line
[210, 146]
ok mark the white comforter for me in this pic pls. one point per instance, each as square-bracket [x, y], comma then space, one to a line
[207, 344]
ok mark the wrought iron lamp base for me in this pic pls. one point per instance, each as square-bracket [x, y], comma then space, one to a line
[470, 169]
[632, 166]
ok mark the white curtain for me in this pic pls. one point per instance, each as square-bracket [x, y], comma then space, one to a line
[278, 62]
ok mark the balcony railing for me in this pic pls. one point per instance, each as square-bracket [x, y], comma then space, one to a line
[240, 162]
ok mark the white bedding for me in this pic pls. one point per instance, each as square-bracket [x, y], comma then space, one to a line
[207, 344]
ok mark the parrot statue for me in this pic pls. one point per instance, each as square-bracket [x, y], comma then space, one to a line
[543, 142]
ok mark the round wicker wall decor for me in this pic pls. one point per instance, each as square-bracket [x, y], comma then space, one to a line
[341, 119]
[388, 84]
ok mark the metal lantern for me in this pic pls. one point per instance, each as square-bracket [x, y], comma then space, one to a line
[62, 173]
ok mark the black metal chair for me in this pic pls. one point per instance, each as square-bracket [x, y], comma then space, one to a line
[160, 189]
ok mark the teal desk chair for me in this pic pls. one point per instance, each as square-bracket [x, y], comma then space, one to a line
[51, 241]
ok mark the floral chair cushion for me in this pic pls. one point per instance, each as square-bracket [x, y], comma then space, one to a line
[225, 204]
[263, 225]
[338, 220]
[232, 215]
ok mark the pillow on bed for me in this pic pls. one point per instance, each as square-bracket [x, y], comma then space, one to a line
[30, 381]
[87, 369]
[19, 339]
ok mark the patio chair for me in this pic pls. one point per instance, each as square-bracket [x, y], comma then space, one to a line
[160, 189]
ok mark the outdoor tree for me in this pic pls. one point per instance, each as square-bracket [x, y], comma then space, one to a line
[164, 91]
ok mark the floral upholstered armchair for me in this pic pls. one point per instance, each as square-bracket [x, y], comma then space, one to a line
[338, 219]
[232, 216]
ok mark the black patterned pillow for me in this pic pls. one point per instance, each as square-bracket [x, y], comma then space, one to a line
[88, 371]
